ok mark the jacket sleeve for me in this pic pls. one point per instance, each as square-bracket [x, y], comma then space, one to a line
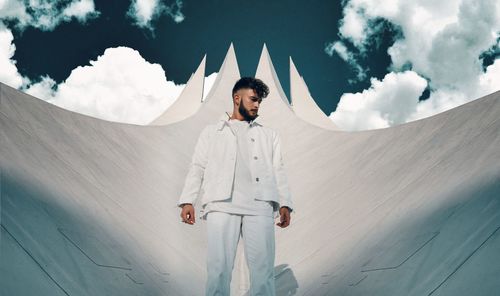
[194, 178]
[279, 171]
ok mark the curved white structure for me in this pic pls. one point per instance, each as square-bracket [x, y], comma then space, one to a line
[88, 207]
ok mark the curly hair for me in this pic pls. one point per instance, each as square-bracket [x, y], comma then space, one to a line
[253, 83]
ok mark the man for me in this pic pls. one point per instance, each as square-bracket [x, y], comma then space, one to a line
[238, 165]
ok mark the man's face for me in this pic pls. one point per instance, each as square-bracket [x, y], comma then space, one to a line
[249, 103]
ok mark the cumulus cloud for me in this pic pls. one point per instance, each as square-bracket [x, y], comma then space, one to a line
[387, 102]
[353, 25]
[443, 99]
[8, 68]
[119, 86]
[143, 12]
[46, 14]
[490, 82]
[82, 10]
[443, 41]
[341, 50]
[41, 14]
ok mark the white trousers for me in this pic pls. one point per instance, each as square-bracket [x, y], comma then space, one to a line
[223, 230]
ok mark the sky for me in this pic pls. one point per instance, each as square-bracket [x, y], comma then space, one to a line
[368, 64]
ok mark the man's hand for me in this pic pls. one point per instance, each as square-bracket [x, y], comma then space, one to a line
[284, 217]
[187, 214]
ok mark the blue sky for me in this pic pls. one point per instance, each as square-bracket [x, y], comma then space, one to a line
[368, 64]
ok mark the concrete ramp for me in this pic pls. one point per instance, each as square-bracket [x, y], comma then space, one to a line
[88, 207]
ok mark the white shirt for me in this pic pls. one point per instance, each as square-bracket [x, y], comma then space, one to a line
[242, 200]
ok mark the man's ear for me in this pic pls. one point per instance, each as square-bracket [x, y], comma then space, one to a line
[237, 99]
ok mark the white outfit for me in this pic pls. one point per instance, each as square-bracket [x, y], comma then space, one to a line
[238, 171]
[240, 215]
[242, 200]
[212, 168]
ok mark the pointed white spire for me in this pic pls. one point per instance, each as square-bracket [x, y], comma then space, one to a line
[188, 102]
[275, 109]
[303, 104]
[219, 99]
[266, 72]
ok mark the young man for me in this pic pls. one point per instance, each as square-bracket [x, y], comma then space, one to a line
[238, 165]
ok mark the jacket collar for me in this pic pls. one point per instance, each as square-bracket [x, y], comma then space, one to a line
[224, 119]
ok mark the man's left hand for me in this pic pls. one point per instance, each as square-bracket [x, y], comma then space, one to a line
[284, 217]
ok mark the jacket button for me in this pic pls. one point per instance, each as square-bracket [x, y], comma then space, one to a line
[257, 179]
[253, 140]
[255, 157]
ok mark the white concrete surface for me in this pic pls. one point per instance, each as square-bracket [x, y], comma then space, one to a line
[88, 207]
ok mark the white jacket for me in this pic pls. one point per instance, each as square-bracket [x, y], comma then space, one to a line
[211, 171]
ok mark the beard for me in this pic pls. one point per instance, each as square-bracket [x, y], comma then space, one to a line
[244, 112]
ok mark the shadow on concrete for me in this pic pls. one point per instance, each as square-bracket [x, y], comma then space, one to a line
[286, 283]
[453, 249]
[50, 247]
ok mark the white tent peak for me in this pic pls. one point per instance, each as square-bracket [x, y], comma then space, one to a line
[229, 73]
[277, 100]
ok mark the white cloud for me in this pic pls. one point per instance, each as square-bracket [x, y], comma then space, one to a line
[145, 11]
[353, 25]
[119, 86]
[342, 51]
[490, 80]
[43, 89]
[8, 69]
[441, 40]
[41, 14]
[339, 48]
[46, 14]
[81, 10]
[387, 102]
[14, 10]
[445, 98]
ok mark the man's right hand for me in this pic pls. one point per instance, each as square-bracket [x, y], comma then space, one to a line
[187, 214]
